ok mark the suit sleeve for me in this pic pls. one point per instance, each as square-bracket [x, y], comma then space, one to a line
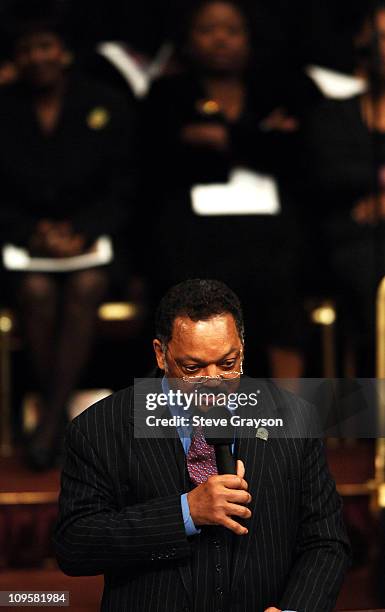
[93, 536]
[323, 550]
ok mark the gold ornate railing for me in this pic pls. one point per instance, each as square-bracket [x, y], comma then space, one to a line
[380, 373]
[6, 326]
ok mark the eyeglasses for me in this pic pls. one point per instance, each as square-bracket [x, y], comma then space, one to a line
[199, 380]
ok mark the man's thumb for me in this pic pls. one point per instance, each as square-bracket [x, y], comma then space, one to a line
[240, 468]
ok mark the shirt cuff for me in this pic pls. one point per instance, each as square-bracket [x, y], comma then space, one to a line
[188, 522]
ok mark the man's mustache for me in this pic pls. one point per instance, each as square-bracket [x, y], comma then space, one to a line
[219, 390]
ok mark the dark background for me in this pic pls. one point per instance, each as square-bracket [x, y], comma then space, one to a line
[287, 31]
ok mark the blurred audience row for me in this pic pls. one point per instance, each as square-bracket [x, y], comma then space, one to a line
[192, 164]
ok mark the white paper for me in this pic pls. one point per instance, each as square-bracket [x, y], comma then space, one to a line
[18, 258]
[336, 85]
[246, 193]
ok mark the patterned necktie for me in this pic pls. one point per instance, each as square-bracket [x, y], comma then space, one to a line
[201, 461]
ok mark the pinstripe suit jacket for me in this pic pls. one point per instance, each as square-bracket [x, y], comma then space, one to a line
[120, 515]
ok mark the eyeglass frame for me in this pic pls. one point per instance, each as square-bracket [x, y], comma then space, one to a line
[192, 379]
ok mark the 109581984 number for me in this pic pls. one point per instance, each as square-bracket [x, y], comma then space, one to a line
[34, 598]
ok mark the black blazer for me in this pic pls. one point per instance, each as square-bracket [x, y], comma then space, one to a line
[340, 155]
[120, 515]
[83, 172]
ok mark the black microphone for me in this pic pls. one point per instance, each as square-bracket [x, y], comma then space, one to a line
[225, 461]
[221, 437]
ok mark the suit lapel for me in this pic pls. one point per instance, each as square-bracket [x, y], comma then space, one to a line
[157, 447]
[160, 461]
[181, 463]
[253, 452]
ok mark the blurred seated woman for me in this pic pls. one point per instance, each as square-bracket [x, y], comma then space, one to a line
[344, 165]
[65, 179]
[198, 125]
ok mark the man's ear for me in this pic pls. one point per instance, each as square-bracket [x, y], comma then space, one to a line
[159, 354]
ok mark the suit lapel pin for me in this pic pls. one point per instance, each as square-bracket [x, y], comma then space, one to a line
[262, 433]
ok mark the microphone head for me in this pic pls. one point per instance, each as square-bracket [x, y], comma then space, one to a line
[219, 434]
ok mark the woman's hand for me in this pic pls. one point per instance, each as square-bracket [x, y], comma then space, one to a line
[211, 135]
[369, 210]
[280, 121]
[56, 239]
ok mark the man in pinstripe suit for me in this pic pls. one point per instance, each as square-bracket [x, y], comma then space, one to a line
[269, 538]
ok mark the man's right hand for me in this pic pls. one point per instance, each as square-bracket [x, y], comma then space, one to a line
[218, 499]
